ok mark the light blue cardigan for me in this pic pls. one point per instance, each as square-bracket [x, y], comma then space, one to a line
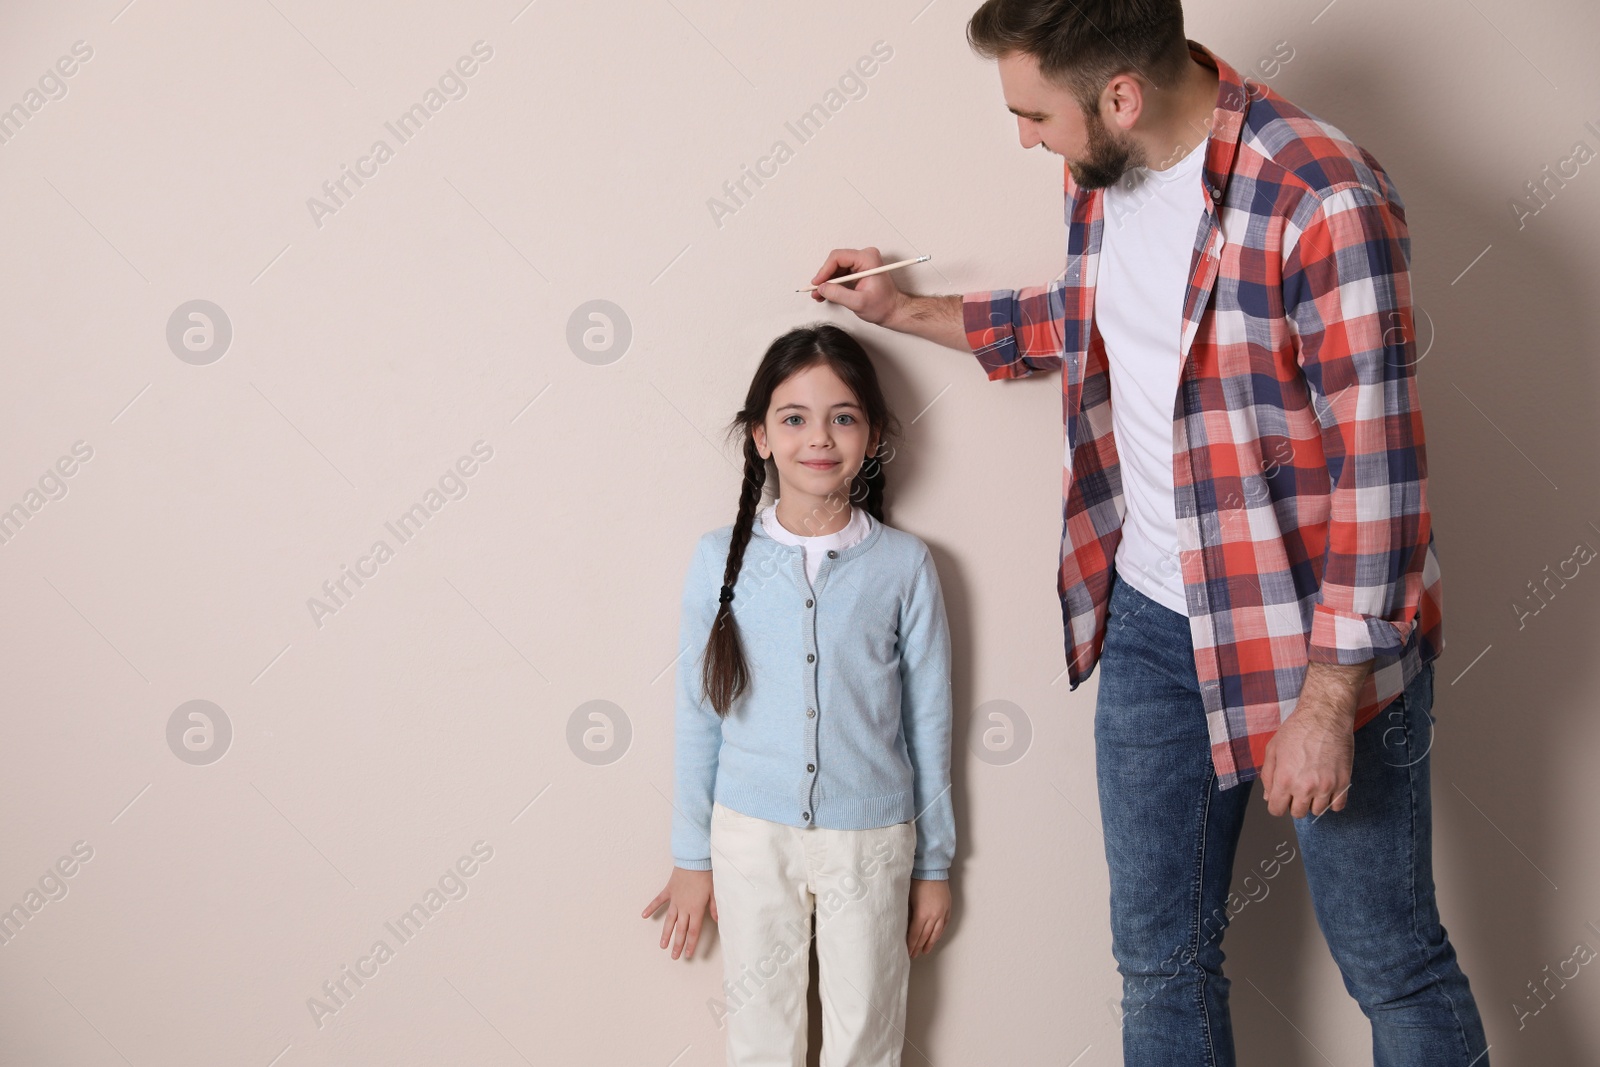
[846, 721]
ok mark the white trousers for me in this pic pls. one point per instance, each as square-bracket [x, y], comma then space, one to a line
[768, 878]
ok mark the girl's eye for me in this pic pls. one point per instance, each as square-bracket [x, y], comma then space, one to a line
[847, 415]
[786, 421]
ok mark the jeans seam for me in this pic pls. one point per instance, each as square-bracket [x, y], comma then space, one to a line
[1199, 904]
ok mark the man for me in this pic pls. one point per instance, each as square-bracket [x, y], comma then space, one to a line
[1256, 499]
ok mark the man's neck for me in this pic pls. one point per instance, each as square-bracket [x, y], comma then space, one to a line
[1194, 104]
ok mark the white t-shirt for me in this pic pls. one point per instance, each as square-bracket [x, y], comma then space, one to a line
[816, 548]
[1147, 241]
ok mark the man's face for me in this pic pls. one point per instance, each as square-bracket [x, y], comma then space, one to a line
[1047, 114]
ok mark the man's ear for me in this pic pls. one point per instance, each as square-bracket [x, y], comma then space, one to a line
[1123, 96]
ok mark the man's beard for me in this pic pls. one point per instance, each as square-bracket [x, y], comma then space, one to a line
[1109, 158]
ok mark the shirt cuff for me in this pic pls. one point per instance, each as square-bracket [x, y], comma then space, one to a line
[931, 876]
[692, 865]
[987, 316]
[1350, 638]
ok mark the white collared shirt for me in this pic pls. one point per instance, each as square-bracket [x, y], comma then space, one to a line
[816, 547]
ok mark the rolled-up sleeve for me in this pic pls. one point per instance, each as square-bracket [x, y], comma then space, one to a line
[1015, 332]
[1347, 297]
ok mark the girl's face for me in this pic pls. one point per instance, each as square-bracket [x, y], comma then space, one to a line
[818, 435]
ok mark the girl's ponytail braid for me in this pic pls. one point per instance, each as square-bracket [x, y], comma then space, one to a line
[724, 676]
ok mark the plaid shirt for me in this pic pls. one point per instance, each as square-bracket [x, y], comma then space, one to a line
[1299, 475]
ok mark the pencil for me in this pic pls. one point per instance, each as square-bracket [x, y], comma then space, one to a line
[874, 270]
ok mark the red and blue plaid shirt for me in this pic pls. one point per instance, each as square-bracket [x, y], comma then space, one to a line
[1299, 474]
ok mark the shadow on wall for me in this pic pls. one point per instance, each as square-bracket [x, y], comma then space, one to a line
[1508, 394]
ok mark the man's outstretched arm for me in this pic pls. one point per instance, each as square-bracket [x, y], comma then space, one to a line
[1013, 332]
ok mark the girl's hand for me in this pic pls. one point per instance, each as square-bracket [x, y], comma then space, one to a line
[687, 894]
[930, 911]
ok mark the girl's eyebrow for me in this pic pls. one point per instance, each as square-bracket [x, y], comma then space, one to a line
[802, 407]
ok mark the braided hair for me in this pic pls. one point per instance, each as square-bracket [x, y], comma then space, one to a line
[725, 675]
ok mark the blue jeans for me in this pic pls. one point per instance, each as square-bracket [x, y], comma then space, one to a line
[1170, 838]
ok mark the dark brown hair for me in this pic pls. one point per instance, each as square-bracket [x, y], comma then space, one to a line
[724, 675]
[1082, 44]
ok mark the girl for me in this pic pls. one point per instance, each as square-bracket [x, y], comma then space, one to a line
[813, 725]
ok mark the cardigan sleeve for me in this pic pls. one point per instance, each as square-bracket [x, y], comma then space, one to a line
[698, 727]
[925, 713]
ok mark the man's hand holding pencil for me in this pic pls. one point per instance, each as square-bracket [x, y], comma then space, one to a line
[873, 297]
[857, 278]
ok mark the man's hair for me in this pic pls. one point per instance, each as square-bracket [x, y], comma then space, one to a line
[1082, 44]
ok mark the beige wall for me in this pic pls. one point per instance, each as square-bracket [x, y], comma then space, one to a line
[371, 349]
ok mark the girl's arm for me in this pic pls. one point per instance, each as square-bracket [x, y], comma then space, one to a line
[697, 725]
[689, 890]
[925, 714]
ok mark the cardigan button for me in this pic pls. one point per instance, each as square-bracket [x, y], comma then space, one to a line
[808, 603]
[811, 713]
[832, 554]
[806, 815]
[810, 658]
[811, 767]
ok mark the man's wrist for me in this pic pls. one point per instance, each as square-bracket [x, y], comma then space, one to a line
[1333, 690]
[903, 314]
